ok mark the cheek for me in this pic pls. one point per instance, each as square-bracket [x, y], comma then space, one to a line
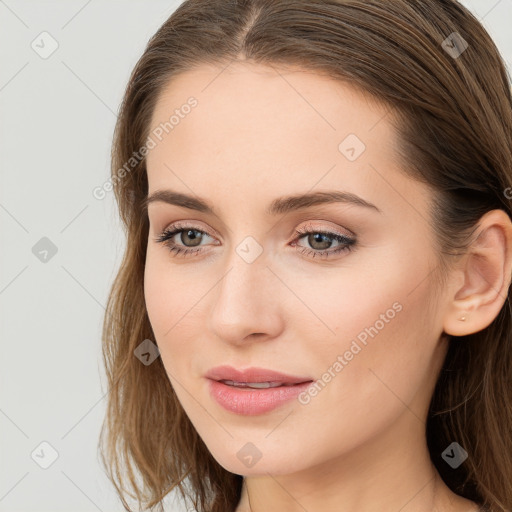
[161, 300]
[156, 293]
[167, 292]
[175, 305]
[381, 356]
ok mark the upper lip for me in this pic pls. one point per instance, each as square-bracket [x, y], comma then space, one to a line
[253, 374]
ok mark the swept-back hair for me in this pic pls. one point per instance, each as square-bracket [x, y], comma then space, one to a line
[436, 69]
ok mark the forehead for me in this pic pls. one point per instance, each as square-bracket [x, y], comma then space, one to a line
[257, 132]
[261, 113]
[261, 94]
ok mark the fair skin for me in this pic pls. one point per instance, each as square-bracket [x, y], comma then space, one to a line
[257, 135]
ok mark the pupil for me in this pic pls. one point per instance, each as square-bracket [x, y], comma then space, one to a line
[195, 239]
[317, 238]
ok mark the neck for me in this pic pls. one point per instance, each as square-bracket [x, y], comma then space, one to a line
[382, 475]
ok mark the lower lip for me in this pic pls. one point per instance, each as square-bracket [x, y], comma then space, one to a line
[250, 401]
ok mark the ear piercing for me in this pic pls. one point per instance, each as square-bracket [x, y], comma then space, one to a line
[463, 318]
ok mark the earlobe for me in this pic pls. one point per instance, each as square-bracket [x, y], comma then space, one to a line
[487, 274]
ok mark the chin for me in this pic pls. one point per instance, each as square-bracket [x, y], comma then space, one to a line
[249, 459]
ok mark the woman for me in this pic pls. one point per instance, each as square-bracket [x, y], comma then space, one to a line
[313, 308]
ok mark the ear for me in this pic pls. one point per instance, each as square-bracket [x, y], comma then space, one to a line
[485, 275]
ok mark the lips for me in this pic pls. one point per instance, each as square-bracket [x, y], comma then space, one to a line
[253, 391]
[255, 385]
[241, 378]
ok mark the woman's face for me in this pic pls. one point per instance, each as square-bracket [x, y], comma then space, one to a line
[355, 310]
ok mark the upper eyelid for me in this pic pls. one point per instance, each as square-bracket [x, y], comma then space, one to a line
[181, 226]
[339, 229]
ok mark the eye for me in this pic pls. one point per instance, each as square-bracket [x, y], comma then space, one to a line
[319, 240]
[187, 234]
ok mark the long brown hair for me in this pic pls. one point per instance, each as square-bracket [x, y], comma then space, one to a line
[437, 70]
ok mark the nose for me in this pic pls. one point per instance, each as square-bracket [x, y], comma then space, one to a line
[246, 303]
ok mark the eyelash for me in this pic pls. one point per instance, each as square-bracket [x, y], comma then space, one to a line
[169, 233]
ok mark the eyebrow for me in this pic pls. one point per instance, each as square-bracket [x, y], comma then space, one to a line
[278, 206]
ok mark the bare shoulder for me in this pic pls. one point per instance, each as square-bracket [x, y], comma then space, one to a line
[465, 505]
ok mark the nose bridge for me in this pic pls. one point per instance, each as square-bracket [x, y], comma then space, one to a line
[247, 257]
[246, 298]
[246, 279]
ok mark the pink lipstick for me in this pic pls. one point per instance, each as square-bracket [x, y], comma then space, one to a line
[254, 390]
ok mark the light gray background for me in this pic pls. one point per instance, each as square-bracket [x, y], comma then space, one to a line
[56, 124]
